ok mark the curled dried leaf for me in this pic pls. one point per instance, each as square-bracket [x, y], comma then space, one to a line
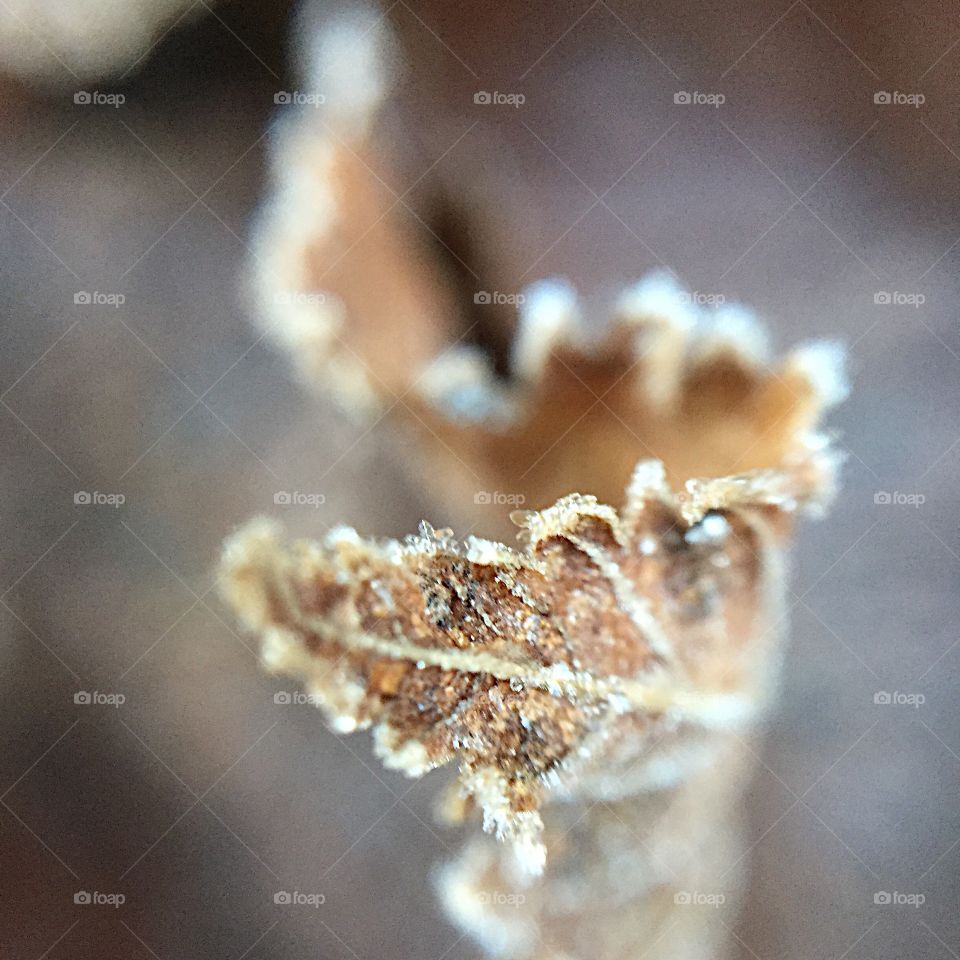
[557, 666]
[357, 286]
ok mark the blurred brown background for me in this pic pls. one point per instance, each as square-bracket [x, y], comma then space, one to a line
[199, 798]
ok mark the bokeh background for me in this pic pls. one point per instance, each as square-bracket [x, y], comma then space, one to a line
[199, 797]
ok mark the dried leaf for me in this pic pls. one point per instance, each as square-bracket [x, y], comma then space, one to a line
[668, 380]
[556, 666]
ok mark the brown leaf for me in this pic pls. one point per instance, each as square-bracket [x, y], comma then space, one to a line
[553, 666]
